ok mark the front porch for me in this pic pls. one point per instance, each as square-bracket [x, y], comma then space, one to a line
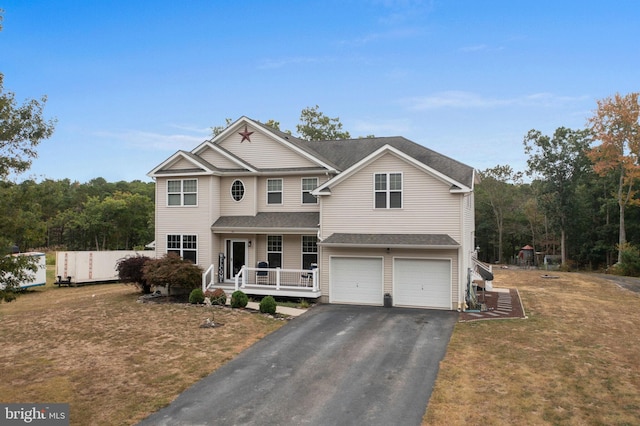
[275, 282]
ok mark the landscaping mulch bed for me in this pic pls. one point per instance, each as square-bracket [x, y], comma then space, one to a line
[496, 309]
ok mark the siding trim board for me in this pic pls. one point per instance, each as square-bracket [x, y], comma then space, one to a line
[419, 241]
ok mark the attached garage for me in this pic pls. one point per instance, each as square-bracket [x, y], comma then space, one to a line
[356, 280]
[422, 283]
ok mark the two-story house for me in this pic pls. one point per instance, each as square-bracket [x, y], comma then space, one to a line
[363, 221]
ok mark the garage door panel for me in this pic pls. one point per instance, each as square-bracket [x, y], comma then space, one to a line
[422, 283]
[356, 280]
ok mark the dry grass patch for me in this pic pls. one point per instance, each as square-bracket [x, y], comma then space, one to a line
[574, 361]
[113, 359]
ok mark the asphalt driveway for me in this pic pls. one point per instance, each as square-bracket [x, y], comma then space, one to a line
[336, 364]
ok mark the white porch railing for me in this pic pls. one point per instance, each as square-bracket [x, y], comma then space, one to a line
[207, 277]
[480, 271]
[277, 278]
[299, 282]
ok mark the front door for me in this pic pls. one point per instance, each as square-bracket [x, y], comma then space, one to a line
[236, 257]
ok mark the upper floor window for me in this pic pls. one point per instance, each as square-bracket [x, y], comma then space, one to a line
[308, 185]
[274, 191]
[388, 190]
[237, 190]
[184, 246]
[182, 192]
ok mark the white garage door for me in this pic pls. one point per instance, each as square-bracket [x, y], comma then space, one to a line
[422, 282]
[356, 280]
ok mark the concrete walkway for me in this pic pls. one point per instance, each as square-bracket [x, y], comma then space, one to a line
[284, 310]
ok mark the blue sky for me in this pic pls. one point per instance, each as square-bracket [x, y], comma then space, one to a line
[131, 82]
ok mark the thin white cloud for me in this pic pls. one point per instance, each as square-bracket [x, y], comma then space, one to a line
[153, 141]
[397, 34]
[404, 10]
[191, 128]
[364, 127]
[296, 60]
[462, 99]
[480, 48]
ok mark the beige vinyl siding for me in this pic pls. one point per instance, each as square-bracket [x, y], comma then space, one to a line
[263, 152]
[185, 220]
[427, 204]
[291, 195]
[182, 164]
[327, 252]
[245, 207]
[218, 160]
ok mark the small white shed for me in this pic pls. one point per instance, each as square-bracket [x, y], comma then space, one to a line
[39, 278]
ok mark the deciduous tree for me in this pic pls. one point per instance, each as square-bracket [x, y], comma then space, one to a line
[22, 128]
[616, 125]
[315, 126]
[559, 162]
[497, 190]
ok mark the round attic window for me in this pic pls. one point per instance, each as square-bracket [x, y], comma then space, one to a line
[237, 190]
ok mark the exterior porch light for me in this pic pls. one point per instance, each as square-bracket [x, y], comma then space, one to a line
[249, 243]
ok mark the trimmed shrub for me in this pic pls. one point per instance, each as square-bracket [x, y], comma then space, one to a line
[239, 299]
[172, 271]
[268, 305]
[217, 296]
[130, 270]
[196, 296]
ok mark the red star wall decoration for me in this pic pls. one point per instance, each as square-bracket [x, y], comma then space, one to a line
[245, 135]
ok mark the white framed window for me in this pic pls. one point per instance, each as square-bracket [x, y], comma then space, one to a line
[184, 245]
[182, 192]
[309, 251]
[388, 190]
[274, 191]
[237, 190]
[274, 251]
[308, 185]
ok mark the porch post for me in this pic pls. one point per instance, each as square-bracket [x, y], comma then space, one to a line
[278, 278]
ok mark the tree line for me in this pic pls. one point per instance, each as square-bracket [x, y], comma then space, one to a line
[581, 202]
[97, 215]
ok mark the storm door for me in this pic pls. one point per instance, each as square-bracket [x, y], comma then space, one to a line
[236, 257]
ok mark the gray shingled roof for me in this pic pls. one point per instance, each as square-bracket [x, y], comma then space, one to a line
[390, 240]
[345, 153]
[304, 221]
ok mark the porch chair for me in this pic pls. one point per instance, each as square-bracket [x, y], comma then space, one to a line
[306, 279]
[262, 277]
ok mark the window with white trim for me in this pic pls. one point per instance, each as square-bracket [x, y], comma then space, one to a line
[182, 192]
[309, 251]
[388, 190]
[184, 245]
[274, 251]
[237, 190]
[308, 185]
[274, 191]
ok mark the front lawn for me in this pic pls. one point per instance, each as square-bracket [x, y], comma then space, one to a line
[574, 361]
[113, 359]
